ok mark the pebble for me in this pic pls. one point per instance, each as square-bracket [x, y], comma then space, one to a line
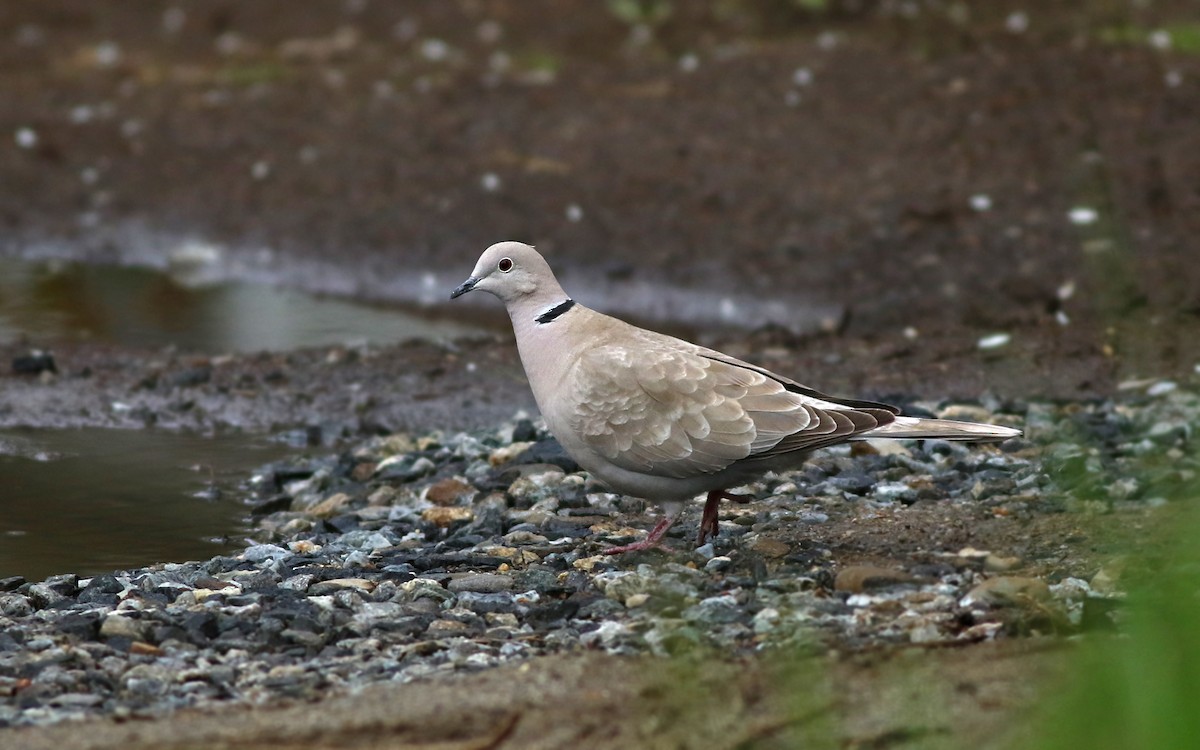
[636, 600]
[859, 578]
[999, 564]
[330, 506]
[467, 550]
[449, 492]
[1107, 579]
[446, 516]
[119, 626]
[1007, 590]
[718, 563]
[482, 583]
[994, 341]
[769, 547]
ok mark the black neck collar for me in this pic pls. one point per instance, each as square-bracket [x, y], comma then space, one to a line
[555, 311]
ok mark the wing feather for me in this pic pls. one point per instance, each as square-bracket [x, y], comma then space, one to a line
[660, 406]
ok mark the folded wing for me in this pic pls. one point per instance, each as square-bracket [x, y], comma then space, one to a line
[664, 407]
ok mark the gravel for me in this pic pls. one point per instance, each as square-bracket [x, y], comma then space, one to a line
[407, 556]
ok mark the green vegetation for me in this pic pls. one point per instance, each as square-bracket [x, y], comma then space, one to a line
[1184, 37]
[1140, 689]
[252, 74]
[647, 12]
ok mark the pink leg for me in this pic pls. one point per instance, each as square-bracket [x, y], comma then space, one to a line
[708, 521]
[652, 539]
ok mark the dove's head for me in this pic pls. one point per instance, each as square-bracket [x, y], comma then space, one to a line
[512, 271]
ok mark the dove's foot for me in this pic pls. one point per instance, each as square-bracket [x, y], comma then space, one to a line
[708, 521]
[653, 539]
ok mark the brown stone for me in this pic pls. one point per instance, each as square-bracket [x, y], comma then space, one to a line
[449, 492]
[863, 448]
[364, 585]
[768, 547]
[443, 517]
[858, 578]
[445, 629]
[1000, 564]
[1009, 590]
[145, 649]
[330, 506]
[364, 471]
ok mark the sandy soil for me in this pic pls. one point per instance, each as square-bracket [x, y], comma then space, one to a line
[883, 699]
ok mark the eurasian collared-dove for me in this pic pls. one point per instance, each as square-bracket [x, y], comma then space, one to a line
[662, 419]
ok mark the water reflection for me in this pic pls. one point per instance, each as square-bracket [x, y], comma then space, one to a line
[89, 501]
[52, 301]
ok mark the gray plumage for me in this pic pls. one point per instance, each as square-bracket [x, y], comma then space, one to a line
[656, 417]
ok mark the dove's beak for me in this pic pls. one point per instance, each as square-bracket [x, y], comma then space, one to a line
[464, 287]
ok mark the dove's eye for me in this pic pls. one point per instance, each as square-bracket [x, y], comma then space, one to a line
[505, 265]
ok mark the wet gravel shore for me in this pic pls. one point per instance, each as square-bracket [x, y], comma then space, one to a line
[408, 556]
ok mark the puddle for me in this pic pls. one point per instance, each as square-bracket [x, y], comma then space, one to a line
[51, 301]
[91, 501]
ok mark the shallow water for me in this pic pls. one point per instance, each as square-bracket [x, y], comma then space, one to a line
[49, 301]
[89, 501]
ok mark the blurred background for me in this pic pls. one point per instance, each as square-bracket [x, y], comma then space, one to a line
[921, 173]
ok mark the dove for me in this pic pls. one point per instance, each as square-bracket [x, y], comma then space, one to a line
[656, 417]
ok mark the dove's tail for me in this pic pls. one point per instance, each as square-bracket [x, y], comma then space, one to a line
[939, 429]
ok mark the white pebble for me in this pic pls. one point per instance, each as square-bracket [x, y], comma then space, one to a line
[405, 30]
[911, 333]
[26, 137]
[1066, 290]
[107, 54]
[490, 182]
[1017, 22]
[1173, 78]
[1161, 388]
[1082, 215]
[81, 114]
[499, 61]
[1061, 318]
[574, 213]
[30, 35]
[489, 32]
[89, 175]
[1160, 39]
[802, 77]
[173, 20]
[827, 40]
[131, 128]
[434, 50]
[981, 202]
[261, 170]
[994, 341]
[228, 43]
[383, 89]
[689, 63]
